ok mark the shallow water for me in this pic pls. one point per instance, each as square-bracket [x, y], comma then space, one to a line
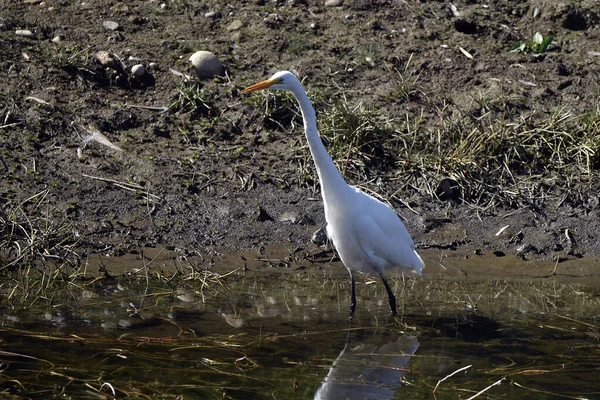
[284, 334]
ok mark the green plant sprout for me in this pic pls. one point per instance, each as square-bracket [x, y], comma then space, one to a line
[536, 47]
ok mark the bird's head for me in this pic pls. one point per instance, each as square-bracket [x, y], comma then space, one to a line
[279, 80]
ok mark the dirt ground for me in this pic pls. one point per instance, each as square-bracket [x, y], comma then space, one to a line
[225, 180]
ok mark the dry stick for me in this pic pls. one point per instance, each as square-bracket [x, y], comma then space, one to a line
[486, 389]
[448, 376]
[547, 392]
[9, 125]
[123, 185]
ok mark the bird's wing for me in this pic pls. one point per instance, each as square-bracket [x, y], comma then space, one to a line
[383, 236]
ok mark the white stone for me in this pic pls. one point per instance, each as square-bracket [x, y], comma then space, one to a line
[25, 33]
[206, 64]
[138, 70]
[235, 25]
[110, 25]
[105, 59]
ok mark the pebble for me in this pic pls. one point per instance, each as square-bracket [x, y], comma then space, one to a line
[120, 7]
[57, 39]
[138, 70]
[333, 3]
[110, 25]
[105, 59]
[206, 64]
[272, 20]
[235, 25]
[211, 14]
[136, 20]
[24, 33]
[320, 237]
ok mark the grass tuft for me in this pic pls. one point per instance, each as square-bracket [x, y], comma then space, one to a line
[500, 153]
[190, 98]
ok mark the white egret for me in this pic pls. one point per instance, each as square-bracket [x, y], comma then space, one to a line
[367, 234]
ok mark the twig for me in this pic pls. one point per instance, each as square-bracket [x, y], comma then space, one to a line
[487, 388]
[448, 376]
[10, 125]
[160, 109]
[577, 321]
[123, 185]
[547, 392]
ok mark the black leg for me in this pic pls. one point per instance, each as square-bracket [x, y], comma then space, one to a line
[352, 295]
[391, 296]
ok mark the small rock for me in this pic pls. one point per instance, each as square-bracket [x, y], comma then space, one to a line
[120, 7]
[206, 64]
[110, 25]
[235, 25]
[273, 20]
[136, 20]
[105, 59]
[25, 33]
[374, 24]
[333, 3]
[211, 15]
[57, 39]
[288, 216]
[138, 70]
[320, 237]
[454, 10]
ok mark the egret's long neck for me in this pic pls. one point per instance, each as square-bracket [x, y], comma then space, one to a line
[332, 183]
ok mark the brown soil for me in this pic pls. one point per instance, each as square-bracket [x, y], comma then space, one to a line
[233, 183]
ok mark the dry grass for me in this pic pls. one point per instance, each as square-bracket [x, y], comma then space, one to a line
[498, 156]
[31, 233]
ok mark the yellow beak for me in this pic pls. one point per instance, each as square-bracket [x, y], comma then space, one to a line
[259, 86]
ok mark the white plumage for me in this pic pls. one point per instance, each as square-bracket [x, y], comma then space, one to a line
[367, 234]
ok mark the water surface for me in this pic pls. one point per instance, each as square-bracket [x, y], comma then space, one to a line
[284, 334]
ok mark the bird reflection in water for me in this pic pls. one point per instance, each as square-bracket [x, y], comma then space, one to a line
[369, 369]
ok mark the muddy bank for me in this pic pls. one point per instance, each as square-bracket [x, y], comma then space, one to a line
[222, 173]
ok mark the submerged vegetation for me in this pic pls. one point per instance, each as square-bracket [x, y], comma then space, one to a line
[160, 341]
